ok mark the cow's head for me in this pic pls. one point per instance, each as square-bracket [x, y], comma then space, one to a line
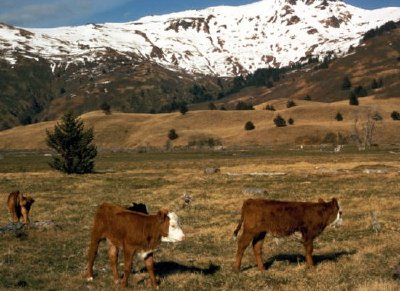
[174, 233]
[336, 217]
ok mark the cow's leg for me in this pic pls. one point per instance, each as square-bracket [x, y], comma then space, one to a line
[128, 254]
[149, 261]
[308, 246]
[24, 213]
[257, 248]
[13, 213]
[92, 253]
[113, 255]
[243, 242]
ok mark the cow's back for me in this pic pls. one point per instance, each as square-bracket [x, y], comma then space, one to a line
[276, 217]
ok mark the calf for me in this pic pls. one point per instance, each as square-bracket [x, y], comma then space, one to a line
[135, 233]
[281, 218]
[19, 206]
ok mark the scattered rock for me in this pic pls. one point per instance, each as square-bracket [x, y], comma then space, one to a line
[19, 226]
[211, 170]
[254, 191]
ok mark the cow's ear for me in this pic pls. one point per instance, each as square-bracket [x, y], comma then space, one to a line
[335, 201]
[320, 200]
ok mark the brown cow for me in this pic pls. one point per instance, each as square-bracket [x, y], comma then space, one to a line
[282, 218]
[135, 232]
[19, 206]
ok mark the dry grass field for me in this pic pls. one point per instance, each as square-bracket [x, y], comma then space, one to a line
[312, 122]
[352, 257]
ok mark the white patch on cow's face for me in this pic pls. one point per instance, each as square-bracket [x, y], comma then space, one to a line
[175, 233]
[338, 221]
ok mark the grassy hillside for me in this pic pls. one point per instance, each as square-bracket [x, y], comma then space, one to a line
[313, 124]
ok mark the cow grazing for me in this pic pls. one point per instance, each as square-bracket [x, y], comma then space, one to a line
[135, 233]
[19, 206]
[282, 218]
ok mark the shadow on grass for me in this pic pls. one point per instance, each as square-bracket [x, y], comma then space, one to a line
[297, 258]
[164, 269]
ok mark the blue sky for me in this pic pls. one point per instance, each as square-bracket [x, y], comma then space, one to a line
[52, 13]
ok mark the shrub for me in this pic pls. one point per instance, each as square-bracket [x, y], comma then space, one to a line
[290, 103]
[279, 121]
[291, 121]
[241, 105]
[73, 144]
[172, 134]
[203, 141]
[375, 84]
[346, 85]
[353, 100]
[270, 107]
[360, 91]
[249, 126]
[105, 107]
[183, 109]
[339, 116]
[211, 106]
[307, 98]
[395, 115]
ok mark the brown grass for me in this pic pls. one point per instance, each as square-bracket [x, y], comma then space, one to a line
[311, 120]
[352, 257]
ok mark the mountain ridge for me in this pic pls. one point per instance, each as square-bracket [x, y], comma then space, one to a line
[222, 40]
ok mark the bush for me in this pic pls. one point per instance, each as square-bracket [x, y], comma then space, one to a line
[211, 106]
[279, 121]
[73, 144]
[353, 100]
[339, 116]
[270, 107]
[290, 103]
[307, 98]
[291, 121]
[360, 91]
[395, 115]
[249, 126]
[346, 85]
[375, 84]
[241, 105]
[183, 109]
[172, 134]
[106, 108]
[203, 141]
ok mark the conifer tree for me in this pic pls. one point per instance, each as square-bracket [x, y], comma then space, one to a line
[73, 144]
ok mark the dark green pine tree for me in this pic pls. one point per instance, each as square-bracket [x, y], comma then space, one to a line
[73, 144]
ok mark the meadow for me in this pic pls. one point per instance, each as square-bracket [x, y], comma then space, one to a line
[352, 257]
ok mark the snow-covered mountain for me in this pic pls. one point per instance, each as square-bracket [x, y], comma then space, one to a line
[222, 40]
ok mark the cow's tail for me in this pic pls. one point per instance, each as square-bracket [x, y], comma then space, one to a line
[235, 233]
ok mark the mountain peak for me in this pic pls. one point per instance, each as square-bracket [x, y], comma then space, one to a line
[221, 40]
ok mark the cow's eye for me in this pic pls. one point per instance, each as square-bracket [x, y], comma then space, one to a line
[173, 225]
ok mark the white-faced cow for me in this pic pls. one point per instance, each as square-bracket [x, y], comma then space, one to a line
[135, 232]
[282, 218]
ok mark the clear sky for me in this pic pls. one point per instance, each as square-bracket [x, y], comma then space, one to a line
[52, 13]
